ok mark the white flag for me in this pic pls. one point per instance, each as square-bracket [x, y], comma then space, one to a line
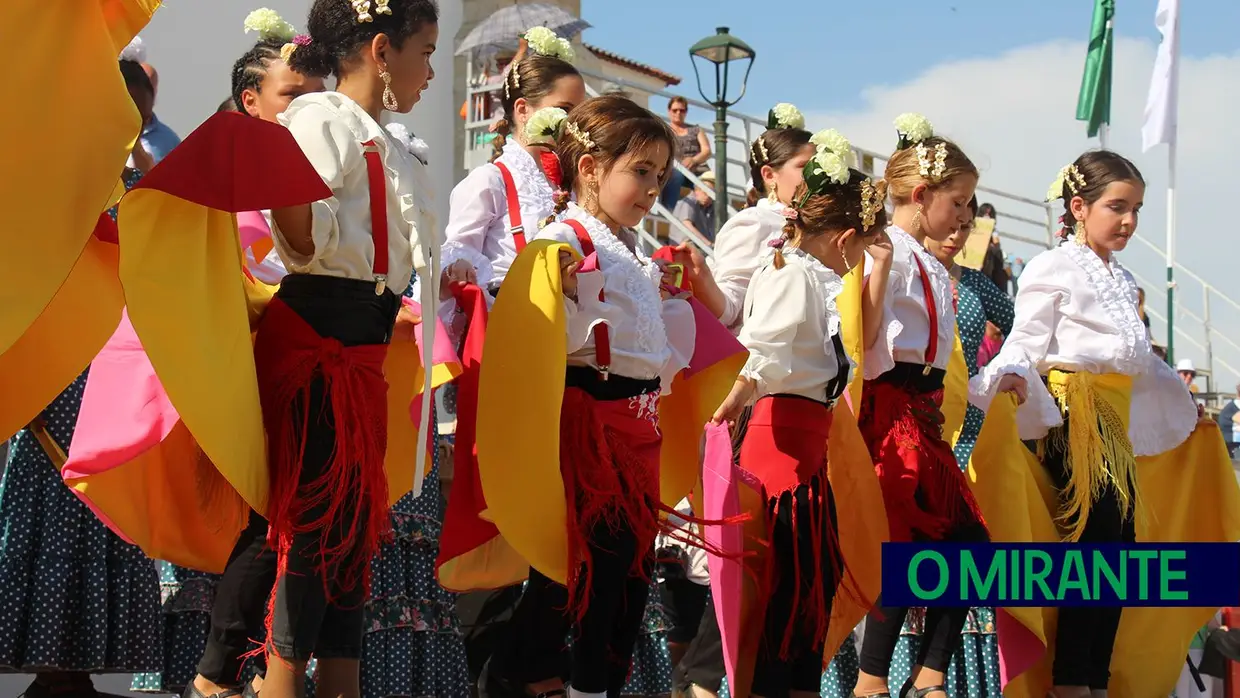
[1161, 107]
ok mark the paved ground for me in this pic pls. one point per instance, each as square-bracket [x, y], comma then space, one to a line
[12, 685]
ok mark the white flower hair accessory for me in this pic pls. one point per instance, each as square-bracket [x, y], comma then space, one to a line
[1069, 181]
[135, 51]
[785, 115]
[932, 170]
[835, 142]
[544, 126]
[269, 25]
[416, 146]
[912, 128]
[544, 42]
[829, 164]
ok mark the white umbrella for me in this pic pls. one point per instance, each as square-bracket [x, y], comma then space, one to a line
[504, 28]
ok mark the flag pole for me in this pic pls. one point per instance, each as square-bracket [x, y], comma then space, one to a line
[1103, 132]
[1171, 252]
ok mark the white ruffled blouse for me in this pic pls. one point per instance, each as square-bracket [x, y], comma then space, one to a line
[477, 229]
[1074, 313]
[790, 317]
[906, 331]
[739, 248]
[330, 128]
[650, 337]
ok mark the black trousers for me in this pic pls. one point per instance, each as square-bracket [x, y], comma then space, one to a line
[943, 625]
[1085, 638]
[702, 664]
[684, 602]
[774, 675]
[240, 604]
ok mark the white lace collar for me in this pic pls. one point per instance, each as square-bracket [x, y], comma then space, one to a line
[940, 279]
[533, 189]
[632, 269]
[1118, 296]
[830, 284]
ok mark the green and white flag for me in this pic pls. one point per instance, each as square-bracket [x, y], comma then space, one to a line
[1094, 103]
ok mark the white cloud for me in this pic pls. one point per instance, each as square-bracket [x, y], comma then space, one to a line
[1014, 115]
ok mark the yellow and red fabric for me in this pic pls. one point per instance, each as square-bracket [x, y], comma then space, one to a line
[60, 299]
[1178, 504]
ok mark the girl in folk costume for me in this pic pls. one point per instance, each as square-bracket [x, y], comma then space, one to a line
[498, 207]
[909, 334]
[1115, 427]
[776, 161]
[797, 368]
[625, 338]
[321, 344]
[974, 670]
[75, 599]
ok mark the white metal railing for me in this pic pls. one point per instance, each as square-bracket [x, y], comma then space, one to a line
[1021, 219]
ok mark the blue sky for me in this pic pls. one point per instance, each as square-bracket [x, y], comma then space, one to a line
[860, 44]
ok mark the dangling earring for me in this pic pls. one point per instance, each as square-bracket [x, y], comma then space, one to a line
[773, 195]
[389, 97]
[591, 200]
[916, 221]
[1078, 233]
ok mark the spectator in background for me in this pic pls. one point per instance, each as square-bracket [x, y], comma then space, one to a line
[1188, 373]
[157, 138]
[1015, 265]
[697, 210]
[1141, 311]
[1229, 423]
[1160, 352]
[692, 150]
[993, 263]
[226, 105]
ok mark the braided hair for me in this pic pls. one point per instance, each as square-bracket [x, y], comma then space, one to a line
[336, 35]
[250, 70]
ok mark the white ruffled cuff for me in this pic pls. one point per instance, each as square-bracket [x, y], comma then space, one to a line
[453, 252]
[1038, 414]
[587, 312]
[1163, 413]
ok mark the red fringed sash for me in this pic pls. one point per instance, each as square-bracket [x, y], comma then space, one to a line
[288, 355]
[784, 447]
[903, 431]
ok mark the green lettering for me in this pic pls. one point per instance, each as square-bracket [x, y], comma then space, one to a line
[1168, 575]
[1037, 576]
[915, 586]
[1072, 576]
[971, 576]
[1014, 578]
[1102, 568]
[1143, 558]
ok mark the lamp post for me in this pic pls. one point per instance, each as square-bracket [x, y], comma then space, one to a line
[721, 49]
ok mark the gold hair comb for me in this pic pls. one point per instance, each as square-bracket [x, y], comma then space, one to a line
[582, 137]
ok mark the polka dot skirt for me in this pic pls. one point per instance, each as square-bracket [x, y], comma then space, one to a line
[73, 595]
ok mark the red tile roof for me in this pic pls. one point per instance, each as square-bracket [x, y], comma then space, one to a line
[617, 59]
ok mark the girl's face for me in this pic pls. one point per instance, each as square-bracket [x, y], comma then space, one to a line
[410, 65]
[785, 179]
[629, 189]
[567, 92]
[1111, 221]
[945, 209]
[945, 250]
[280, 87]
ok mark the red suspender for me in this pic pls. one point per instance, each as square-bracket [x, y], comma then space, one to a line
[515, 226]
[602, 337]
[932, 312]
[375, 176]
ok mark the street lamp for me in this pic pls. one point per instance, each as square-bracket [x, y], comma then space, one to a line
[721, 49]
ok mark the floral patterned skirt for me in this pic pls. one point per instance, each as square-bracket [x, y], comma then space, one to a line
[73, 595]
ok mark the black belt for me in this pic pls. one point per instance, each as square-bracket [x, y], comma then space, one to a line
[613, 388]
[914, 377]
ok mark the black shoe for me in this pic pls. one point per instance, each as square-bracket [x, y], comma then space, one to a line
[911, 692]
[249, 692]
[192, 692]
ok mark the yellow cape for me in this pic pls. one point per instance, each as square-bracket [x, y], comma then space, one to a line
[1179, 504]
[60, 300]
[861, 518]
[520, 393]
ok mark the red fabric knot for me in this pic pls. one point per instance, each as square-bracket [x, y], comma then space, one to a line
[330, 353]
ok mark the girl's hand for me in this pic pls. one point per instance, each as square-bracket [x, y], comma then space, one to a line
[880, 248]
[461, 271]
[1016, 385]
[690, 257]
[735, 403]
[142, 160]
[568, 275]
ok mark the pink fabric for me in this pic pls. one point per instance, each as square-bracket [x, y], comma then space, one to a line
[721, 501]
[124, 412]
[712, 342]
[251, 227]
[988, 349]
[442, 353]
[1019, 648]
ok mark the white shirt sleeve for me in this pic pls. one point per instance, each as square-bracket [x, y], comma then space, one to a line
[1037, 310]
[477, 207]
[738, 252]
[778, 301]
[334, 152]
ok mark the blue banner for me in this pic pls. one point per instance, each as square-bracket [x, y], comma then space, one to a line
[1061, 574]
